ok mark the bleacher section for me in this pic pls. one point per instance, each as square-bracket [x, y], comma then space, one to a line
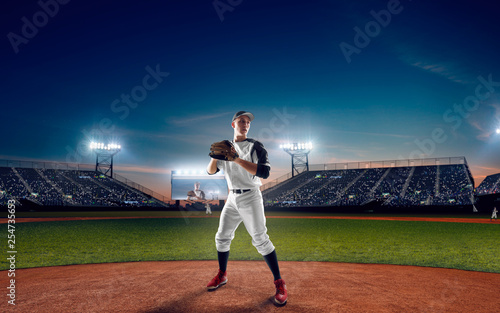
[10, 184]
[406, 186]
[490, 185]
[53, 187]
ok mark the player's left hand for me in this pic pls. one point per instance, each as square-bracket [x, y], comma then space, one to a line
[223, 150]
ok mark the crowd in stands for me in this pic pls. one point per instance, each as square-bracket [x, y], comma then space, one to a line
[334, 191]
[490, 185]
[421, 187]
[361, 188]
[395, 186]
[51, 187]
[10, 185]
[454, 187]
[391, 187]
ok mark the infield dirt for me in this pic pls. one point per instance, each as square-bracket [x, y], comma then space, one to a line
[179, 286]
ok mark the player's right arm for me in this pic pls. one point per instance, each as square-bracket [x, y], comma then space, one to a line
[212, 167]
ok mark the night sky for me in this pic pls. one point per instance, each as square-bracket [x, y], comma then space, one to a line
[361, 80]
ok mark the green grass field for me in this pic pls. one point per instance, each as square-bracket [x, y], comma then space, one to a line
[178, 213]
[436, 244]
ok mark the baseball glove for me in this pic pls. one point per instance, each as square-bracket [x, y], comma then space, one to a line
[223, 150]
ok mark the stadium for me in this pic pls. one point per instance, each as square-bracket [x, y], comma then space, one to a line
[433, 185]
[420, 192]
[349, 148]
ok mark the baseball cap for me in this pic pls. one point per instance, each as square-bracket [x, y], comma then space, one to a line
[241, 113]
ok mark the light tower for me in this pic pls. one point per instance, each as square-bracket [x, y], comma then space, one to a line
[300, 156]
[104, 156]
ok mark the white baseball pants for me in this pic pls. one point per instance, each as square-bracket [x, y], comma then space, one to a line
[248, 208]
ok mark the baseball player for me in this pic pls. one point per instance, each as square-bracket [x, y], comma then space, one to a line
[199, 195]
[494, 214]
[208, 210]
[243, 170]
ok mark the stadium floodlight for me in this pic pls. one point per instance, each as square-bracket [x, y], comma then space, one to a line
[104, 156]
[189, 172]
[299, 151]
[297, 146]
[107, 147]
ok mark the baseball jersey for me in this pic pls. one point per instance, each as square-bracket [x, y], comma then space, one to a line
[236, 176]
[197, 193]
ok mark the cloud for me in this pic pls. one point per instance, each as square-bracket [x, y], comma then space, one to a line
[375, 134]
[195, 119]
[158, 137]
[445, 70]
[481, 172]
[486, 120]
[418, 56]
[141, 134]
[485, 134]
[141, 169]
[489, 169]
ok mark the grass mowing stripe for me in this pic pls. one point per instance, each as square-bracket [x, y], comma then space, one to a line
[449, 245]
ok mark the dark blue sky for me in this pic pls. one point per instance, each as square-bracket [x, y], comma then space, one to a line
[164, 78]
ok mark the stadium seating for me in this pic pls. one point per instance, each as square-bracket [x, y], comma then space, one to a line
[490, 185]
[394, 186]
[51, 187]
[404, 186]
[10, 184]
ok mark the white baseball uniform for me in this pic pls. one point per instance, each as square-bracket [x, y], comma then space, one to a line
[244, 202]
[197, 195]
[208, 210]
